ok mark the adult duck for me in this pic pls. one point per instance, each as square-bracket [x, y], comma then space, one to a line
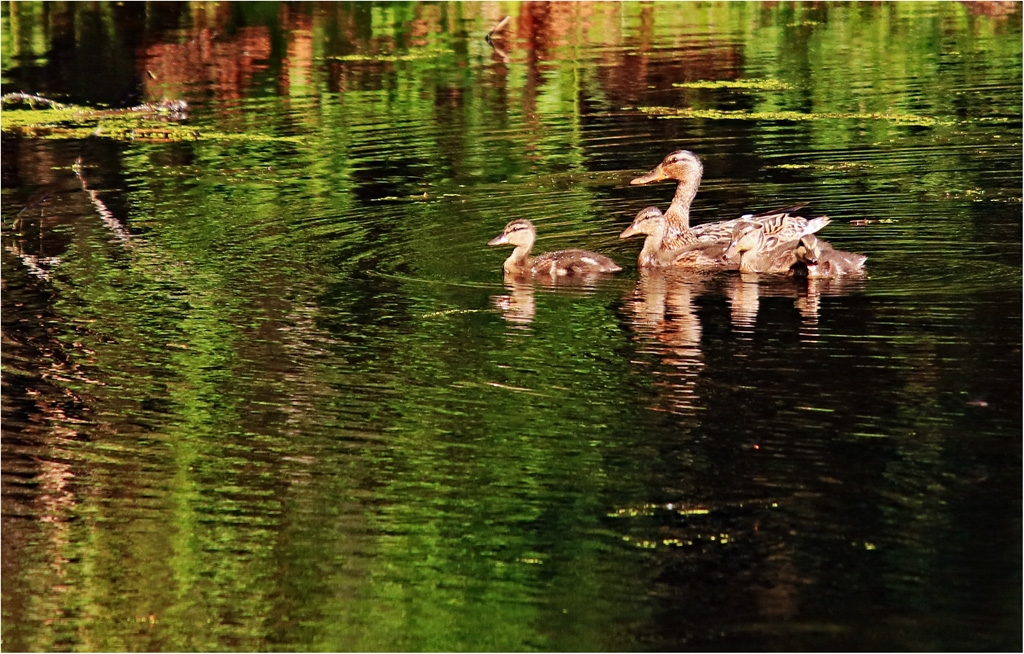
[686, 169]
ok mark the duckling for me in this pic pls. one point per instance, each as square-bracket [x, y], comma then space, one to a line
[685, 167]
[770, 246]
[562, 263]
[816, 259]
[653, 223]
[782, 230]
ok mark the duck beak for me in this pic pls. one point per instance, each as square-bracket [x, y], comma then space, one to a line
[501, 239]
[655, 175]
[629, 231]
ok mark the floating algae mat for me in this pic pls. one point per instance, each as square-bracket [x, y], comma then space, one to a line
[410, 56]
[901, 119]
[153, 122]
[749, 84]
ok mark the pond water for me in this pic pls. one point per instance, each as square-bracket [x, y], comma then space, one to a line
[264, 387]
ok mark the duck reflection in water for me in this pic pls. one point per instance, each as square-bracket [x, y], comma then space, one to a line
[663, 303]
[663, 314]
[744, 300]
[518, 305]
[746, 290]
[663, 309]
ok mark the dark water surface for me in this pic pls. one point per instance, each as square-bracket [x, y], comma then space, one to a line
[265, 389]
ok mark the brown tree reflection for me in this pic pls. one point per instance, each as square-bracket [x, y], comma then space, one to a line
[209, 54]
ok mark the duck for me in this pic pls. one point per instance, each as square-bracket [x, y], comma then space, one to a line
[651, 222]
[686, 168]
[770, 246]
[817, 259]
[562, 263]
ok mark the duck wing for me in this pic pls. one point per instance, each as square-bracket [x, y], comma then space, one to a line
[774, 221]
[562, 263]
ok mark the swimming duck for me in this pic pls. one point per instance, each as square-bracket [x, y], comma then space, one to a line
[817, 259]
[685, 167]
[769, 246]
[562, 263]
[651, 222]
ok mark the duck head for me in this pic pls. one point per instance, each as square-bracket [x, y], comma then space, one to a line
[520, 233]
[649, 221]
[808, 250]
[681, 165]
[745, 238]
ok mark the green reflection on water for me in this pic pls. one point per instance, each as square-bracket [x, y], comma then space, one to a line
[309, 423]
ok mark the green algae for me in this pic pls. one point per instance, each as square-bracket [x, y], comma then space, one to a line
[842, 165]
[718, 114]
[410, 56]
[147, 124]
[747, 84]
